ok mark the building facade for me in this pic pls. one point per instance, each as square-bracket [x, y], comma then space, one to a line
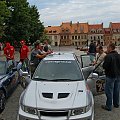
[96, 33]
[81, 34]
[115, 28]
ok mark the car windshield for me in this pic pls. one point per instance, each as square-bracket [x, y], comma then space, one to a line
[58, 71]
[2, 67]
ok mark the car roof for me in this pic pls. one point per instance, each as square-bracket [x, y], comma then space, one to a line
[60, 56]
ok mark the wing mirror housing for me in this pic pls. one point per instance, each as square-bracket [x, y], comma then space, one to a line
[95, 75]
[23, 73]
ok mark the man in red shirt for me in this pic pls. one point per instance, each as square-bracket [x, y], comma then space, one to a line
[9, 52]
[23, 51]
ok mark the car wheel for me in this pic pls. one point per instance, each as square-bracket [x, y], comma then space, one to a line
[2, 100]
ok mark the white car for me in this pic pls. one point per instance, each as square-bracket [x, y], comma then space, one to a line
[57, 91]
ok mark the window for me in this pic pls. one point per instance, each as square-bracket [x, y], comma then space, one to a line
[61, 37]
[58, 70]
[64, 37]
[81, 36]
[55, 37]
[75, 31]
[54, 31]
[73, 37]
[67, 30]
[50, 31]
[78, 37]
[98, 37]
[67, 37]
[2, 67]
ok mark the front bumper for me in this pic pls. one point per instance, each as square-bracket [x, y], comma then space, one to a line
[86, 116]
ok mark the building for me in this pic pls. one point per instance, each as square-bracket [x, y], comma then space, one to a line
[53, 33]
[115, 28]
[107, 36]
[68, 33]
[81, 34]
[65, 33]
[96, 33]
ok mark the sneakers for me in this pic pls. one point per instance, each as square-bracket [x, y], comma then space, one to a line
[105, 107]
[116, 106]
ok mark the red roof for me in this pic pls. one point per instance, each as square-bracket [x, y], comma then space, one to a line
[115, 25]
[96, 26]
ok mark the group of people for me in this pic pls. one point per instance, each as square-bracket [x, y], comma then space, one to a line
[110, 62]
[37, 54]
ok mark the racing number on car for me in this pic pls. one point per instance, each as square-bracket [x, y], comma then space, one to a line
[100, 85]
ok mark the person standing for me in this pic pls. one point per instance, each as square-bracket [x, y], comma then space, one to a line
[112, 84]
[99, 59]
[47, 47]
[24, 50]
[36, 56]
[92, 51]
[9, 52]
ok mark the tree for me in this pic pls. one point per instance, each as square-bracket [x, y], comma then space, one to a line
[4, 15]
[24, 22]
[18, 24]
[36, 25]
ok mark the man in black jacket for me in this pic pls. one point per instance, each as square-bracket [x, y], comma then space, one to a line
[92, 51]
[112, 70]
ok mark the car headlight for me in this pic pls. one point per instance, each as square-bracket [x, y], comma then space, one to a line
[81, 110]
[29, 110]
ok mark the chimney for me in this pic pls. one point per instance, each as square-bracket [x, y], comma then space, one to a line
[70, 23]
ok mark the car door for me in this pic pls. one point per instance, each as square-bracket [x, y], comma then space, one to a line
[12, 74]
[95, 81]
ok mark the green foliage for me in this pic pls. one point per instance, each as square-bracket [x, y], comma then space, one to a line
[23, 23]
[4, 14]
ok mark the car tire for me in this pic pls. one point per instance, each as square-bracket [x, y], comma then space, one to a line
[2, 100]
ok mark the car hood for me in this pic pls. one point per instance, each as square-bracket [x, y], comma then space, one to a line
[56, 95]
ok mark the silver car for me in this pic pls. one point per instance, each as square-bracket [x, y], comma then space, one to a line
[59, 90]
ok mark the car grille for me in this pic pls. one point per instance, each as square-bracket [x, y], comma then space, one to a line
[53, 113]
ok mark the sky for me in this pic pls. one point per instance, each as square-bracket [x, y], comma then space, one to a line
[54, 12]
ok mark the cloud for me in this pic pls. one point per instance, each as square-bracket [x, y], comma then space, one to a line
[93, 11]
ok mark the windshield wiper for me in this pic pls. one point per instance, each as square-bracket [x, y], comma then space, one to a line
[62, 80]
[40, 79]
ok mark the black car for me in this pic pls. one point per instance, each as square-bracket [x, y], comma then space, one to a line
[8, 81]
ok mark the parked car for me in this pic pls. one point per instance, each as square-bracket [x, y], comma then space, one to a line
[8, 81]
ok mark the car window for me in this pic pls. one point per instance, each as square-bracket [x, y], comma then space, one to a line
[10, 66]
[58, 70]
[2, 67]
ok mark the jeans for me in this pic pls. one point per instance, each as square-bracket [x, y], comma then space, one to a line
[112, 91]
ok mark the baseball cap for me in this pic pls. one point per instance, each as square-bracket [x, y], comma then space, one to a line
[22, 41]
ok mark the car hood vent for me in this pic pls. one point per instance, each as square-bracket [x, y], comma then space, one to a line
[63, 95]
[47, 95]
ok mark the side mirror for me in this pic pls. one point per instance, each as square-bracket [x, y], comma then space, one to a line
[95, 75]
[23, 73]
